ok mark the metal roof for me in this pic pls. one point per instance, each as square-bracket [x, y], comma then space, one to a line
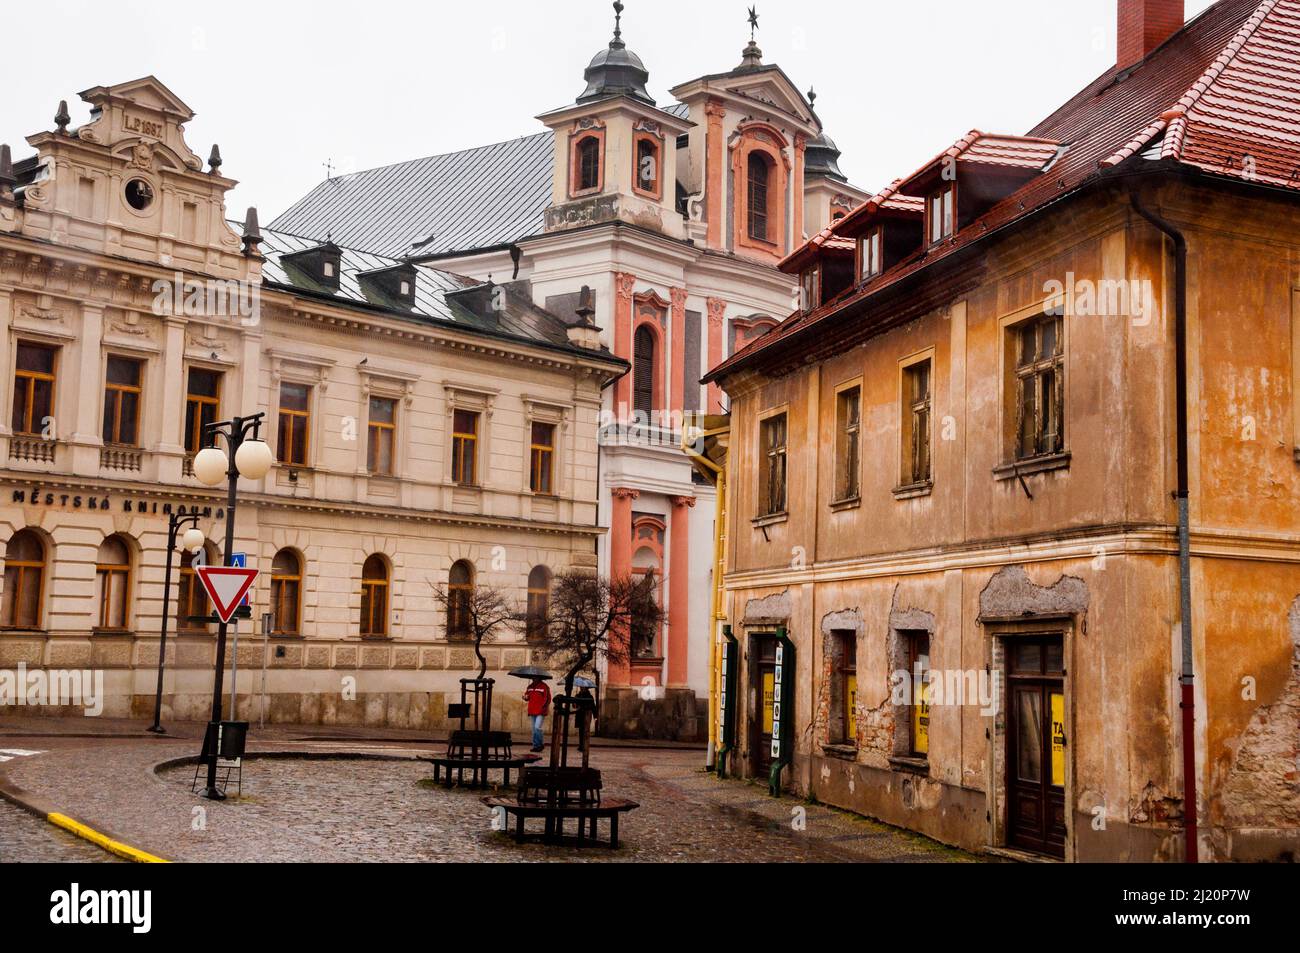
[439, 296]
[457, 202]
[475, 198]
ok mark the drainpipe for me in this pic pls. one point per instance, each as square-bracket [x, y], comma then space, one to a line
[1182, 495]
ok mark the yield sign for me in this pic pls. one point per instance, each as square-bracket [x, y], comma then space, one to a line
[226, 587]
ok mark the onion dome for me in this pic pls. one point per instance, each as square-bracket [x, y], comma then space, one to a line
[616, 70]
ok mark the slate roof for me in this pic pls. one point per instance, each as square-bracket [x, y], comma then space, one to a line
[456, 202]
[1225, 86]
[440, 297]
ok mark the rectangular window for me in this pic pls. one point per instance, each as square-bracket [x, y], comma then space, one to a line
[870, 248]
[772, 489]
[1040, 386]
[918, 669]
[202, 402]
[295, 422]
[941, 214]
[382, 444]
[122, 402]
[810, 284]
[848, 456]
[33, 410]
[542, 459]
[464, 448]
[847, 676]
[917, 418]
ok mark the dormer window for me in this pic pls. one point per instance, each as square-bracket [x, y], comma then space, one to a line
[871, 253]
[810, 288]
[320, 264]
[759, 173]
[406, 289]
[941, 214]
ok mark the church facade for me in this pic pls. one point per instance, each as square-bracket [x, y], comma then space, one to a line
[663, 223]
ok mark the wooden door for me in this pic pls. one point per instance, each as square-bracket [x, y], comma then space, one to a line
[1036, 745]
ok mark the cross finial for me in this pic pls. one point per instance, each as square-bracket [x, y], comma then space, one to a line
[329, 168]
[753, 23]
[618, 20]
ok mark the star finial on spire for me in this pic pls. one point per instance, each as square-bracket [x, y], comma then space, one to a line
[753, 23]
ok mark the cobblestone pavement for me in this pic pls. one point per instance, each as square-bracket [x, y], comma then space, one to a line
[318, 807]
[25, 838]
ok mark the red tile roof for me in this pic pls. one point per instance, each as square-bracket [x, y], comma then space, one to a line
[1225, 87]
[825, 240]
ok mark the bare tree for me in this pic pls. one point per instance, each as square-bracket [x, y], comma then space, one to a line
[478, 614]
[589, 618]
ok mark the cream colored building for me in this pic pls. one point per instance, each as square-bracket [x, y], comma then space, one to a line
[424, 425]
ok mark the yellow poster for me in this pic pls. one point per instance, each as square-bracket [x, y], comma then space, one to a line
[851, 712]
[1058, 739]
[769, 700]
[921, 719]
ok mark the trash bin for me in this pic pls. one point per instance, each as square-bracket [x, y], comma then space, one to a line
[234, 737]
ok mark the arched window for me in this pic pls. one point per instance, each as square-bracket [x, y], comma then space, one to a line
[191, 598]
[647, 166]
[24, 581]
[759, 173]
[539, 601]
[113, 572]
[286, 592]
[648, 534]
[460, 589]
[374, 596]
[588, 152]
[643, 372]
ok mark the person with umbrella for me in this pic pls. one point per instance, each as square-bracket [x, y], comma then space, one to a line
[538, 697]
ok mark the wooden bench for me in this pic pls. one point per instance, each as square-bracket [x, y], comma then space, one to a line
[565, 785]
[587, 816]
[478, 753]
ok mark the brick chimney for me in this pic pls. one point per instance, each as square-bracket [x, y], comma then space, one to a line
[1144, 25]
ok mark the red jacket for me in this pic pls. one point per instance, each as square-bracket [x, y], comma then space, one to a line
[538, 697]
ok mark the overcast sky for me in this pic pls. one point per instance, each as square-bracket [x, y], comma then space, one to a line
[286, 86]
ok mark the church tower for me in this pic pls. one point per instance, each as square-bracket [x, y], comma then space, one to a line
[615, 150]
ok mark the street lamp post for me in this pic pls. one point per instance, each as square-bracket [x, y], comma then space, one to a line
[249, 457]
[193, 540]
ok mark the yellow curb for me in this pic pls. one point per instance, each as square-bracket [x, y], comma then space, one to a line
[100, 840]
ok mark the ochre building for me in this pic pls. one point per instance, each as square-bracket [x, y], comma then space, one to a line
[959, 474]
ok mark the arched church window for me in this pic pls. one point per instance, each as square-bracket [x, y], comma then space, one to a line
[643, 372]
[588, 164]
[759, 173]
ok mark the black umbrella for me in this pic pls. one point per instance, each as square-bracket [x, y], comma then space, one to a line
[532, 671]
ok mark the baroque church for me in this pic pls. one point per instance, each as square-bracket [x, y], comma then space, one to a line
[663, 225]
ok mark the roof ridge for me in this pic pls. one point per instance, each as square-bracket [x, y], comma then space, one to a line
[1174, 119]
[444, 155]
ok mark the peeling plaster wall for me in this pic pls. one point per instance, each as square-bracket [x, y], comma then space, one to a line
[1261, 794]
[1012, 594]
